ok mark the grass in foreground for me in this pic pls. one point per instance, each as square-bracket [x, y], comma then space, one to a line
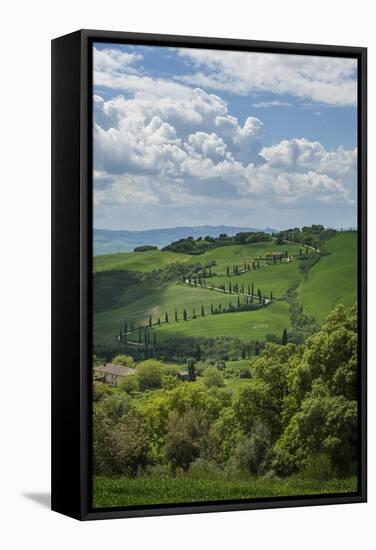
[122, 491]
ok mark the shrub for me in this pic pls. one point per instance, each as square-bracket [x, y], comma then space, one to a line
[212, 377]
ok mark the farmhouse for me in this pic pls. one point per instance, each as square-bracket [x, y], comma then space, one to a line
[111, 374]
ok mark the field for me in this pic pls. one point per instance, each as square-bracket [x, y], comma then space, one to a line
[138, 261]
[122, 491]
[330, 281]
[334, 279]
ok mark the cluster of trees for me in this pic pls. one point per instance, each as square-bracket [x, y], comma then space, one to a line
[193, 246]
[303, 325]
[144, 248]
[299, 414]
[314, 235]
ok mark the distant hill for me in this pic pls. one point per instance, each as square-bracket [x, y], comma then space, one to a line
[107, 241]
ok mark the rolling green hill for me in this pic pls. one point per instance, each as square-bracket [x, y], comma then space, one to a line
[138, 261]
[247, 325]
[333, 280]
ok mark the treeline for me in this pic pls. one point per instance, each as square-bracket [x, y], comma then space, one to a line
[314, 235]
[144, 248]
[299, 415]
[178, 350]
[193, 246]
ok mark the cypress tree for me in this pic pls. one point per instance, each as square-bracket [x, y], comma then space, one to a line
[238, 301]
[253, 289]
[284, 338]
[202, 311]
[176, 315]
[271, 295]
[185, 315]
[211, 309]
[249, 289]
[193, 314]
[166, 317]
[150, 321]
[139, 334]
[257, 348]
[228, 271]
[159, 321]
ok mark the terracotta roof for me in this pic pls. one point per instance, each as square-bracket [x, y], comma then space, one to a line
[118, 370]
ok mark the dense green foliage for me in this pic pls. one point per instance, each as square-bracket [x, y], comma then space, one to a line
[296, 416]
[144, 248]
[193, 246]
[314, 235]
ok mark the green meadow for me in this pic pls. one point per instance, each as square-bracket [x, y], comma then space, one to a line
[122, 491]
[334, 279]
[331, 281]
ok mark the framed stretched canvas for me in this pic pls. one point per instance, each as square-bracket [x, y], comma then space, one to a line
[209, 274]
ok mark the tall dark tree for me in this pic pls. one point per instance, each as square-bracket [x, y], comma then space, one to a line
[198, 352]
[191, 369]
[139, 334]
[159, 321]
[253, 289]
[285, 337]
[249, 289]
[228, 271]
[238, 301]
[166, 317]
[176, 315]
[230, 288]
[211, 309]
[202, 311]
[257, 347]
[185, 316]
[193, 314]
[271, 295]
[150, 321]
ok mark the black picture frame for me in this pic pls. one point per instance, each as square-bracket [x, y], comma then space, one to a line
[72, 271]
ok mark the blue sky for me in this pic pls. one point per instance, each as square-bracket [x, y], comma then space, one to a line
[194, 137]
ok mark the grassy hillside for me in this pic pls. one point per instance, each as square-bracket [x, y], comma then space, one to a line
[238, 254]
[138, 261]
[275, 278]
[333, 280]
[179, 296]
[247, 325]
